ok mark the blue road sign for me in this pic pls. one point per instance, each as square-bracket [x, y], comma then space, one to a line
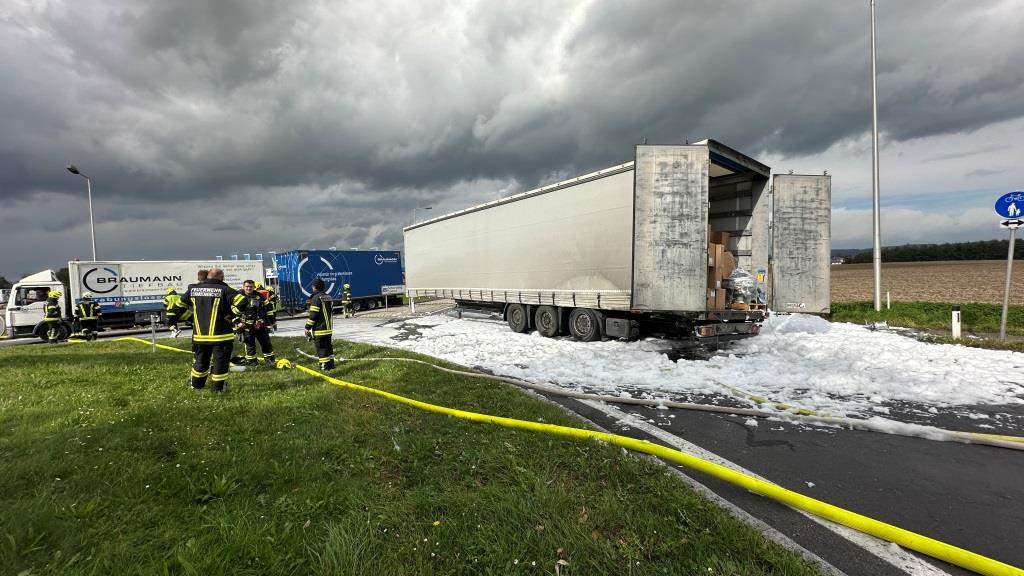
[1011, 205]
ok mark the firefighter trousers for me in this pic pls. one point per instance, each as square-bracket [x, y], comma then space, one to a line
[261, 335]
[324, 351]
[217, 353]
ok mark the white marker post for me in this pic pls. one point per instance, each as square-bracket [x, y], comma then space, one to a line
[1009, 206]
[956, 322]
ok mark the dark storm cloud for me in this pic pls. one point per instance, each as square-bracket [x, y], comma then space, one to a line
[327, 122]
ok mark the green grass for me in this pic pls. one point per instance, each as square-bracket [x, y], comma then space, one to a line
[110, 465]
[974, 317]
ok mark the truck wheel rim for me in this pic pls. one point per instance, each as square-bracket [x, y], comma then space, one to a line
[582, 324]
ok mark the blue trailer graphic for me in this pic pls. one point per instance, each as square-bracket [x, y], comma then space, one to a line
[373, 275]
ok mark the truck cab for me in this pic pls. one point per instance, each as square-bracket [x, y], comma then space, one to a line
[27, 303]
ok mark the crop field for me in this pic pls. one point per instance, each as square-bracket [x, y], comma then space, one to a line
[954, 281]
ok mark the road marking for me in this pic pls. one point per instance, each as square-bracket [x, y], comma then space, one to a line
[886, 551]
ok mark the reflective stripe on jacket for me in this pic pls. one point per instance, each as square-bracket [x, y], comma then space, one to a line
[214, 305]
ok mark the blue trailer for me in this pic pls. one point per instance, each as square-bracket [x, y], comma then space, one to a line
[375, 277]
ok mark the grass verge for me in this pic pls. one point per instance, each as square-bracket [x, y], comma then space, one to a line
[974, 317]
[109, 464]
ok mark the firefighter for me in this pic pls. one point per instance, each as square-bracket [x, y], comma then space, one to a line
[88, 315]
[215, 306]
[271, 300]
[175, 310]
[51, 316]
[346, 302]
[255, 320]
[319, 325]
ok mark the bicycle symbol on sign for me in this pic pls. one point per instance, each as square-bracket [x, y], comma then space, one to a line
[1015, 197]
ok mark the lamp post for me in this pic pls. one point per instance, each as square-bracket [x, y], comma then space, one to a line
[92, 224]
[877, 219]
[419, 208]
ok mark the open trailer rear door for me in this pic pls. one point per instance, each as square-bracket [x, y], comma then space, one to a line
[801, 243]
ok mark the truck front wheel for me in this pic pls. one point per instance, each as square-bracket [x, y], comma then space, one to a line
[546, 321]
[517, 318]
[585, 324]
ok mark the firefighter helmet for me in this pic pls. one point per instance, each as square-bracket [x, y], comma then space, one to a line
[258, 286]
[53, 294]
[87, 296]
[170, 290]
[347, 286]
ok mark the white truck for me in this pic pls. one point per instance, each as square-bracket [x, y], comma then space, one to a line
[624, 251]
[128, 292]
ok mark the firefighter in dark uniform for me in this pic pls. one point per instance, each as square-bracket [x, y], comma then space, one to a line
[319, 325]
[175, 311]
[88, 315]
[255, 320]
[271, 302]
[346, 302]
[215, 306]
[51, 315]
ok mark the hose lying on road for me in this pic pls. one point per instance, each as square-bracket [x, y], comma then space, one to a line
[905, 538]
[804, 416]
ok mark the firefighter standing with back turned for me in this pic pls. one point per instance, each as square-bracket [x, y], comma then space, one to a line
[88, 314]
[255, 321]
[319, 325]
[214, 305]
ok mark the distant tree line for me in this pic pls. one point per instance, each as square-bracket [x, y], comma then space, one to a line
[980, 250]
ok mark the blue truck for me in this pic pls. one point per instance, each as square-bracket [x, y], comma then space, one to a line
[375, 276]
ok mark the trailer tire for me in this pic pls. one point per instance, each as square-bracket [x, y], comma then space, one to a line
[546, 321]
[371, 304]
[357, 305]
[518, 318]
[585, 324]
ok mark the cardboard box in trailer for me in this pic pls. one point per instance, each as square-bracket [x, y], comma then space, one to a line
[128, 292]
[374, 276]
[646, 247]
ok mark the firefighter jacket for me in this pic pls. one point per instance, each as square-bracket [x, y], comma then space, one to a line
[346, 296]
[175, 309]
[89, 311]
[320, 321]
[51, 311]
[214, 306]
[257, 311]
[270, 302]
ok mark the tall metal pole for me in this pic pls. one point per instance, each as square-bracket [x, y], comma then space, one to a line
[877, 222]
[1006, 289]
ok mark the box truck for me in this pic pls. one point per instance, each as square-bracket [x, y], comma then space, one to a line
[630, 250]
[374, 276]
[128, 292]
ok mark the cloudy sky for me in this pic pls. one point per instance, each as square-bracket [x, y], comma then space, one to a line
[254, 125]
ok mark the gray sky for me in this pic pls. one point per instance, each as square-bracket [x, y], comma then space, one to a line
[250, 125]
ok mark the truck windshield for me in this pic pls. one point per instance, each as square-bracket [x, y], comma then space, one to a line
[30, 294]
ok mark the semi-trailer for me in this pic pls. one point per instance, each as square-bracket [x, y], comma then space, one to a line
[374, 276]
[630, 250]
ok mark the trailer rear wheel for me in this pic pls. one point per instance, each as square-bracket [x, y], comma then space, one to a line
[546, 321]
[585, 324]
[517, 318]
[371, 304]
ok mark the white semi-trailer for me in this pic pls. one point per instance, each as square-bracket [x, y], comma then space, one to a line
[625, 251]
[128, 292]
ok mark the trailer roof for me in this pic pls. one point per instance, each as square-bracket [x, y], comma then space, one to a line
[725, 161]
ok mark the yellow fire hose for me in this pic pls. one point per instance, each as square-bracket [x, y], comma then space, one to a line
[904, 538]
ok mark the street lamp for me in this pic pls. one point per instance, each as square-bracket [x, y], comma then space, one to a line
[877, 218]
[92, 224]
[419, 208]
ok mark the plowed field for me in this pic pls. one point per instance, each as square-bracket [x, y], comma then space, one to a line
[954, 282]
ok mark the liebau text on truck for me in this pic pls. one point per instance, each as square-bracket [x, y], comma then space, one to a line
[128, 292]
[656, 246]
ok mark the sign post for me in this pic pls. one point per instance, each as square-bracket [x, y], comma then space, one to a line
[1009, 206]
